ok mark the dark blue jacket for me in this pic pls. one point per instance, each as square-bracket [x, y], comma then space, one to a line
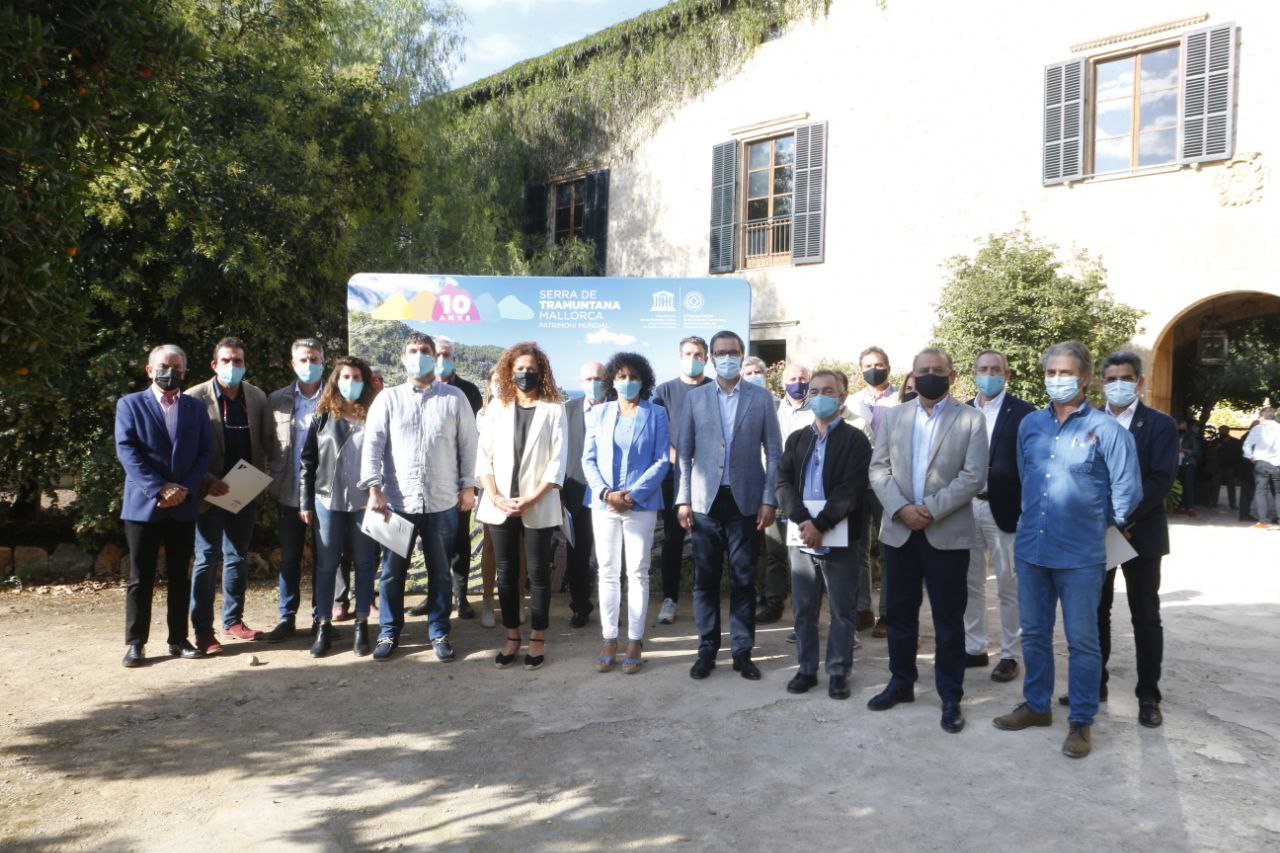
[1004, 486]
[1156, 436]
[150, 459]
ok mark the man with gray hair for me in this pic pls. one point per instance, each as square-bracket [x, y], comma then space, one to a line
[1080, 476]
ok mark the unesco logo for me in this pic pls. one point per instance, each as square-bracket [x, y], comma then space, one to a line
[693, 300]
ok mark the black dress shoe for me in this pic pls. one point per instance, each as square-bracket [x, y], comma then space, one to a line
[767, 615]
[801, 682]
[1005, 670]
[420, 609]
[1065, 698]
[890, 696]
[324, 637]
[283, 630]
[184, 649]
[702, 668]
[976, 660]
[743, 665]
[1149, 713]
[578, 620]
[952, 719]
[133, 656]
[838, 687]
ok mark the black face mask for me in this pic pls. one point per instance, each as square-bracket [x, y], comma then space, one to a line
[909, 396]
[167, 378]
[932, 387]
[875, 376]
[526, 381]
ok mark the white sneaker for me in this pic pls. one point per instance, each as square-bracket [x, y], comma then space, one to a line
[667, 614]
[486, 616]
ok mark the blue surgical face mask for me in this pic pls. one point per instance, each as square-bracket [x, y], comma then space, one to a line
[593, 388]
[1062, 389]
[309, 372]
[989, 386]
[1120, 392]
[419, 364]
[230, 375]
[728, 366]
[445, 367]
[350, 389]
[755, 379]
[628, 389]
[824, 406]
[692, 366]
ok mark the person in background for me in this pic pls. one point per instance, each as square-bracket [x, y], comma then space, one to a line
[242, 426]
[579, 418]
[794, 413]
[488, 567]
[377, 379]
[754, 370]
[521, 464]
[291, 409]
[907, 392]
[460, 559]
[826, 462]
[1188, 459]
[870, 404]
[331, 500]
[1227, 453]
[164, 442]
[672, 395]
[626, 457]
[1262, 449]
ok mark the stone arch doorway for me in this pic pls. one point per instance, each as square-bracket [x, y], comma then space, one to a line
[1169, 361]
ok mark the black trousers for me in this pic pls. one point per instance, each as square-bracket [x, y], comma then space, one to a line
[578, 560]
[944, 574]
[461, 562]
[506, 558]
[1142, 582]
[672, 542]
[145, 540]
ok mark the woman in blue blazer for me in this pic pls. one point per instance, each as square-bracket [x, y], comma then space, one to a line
[626, 454]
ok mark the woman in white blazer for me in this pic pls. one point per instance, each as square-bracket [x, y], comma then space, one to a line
[521, 463]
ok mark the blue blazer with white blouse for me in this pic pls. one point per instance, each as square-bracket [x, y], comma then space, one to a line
[647, 457]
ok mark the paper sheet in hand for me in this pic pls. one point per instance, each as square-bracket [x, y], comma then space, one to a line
[1118, 548]
[566, 525]
[836, 537]
[245, 483]
[393, 531]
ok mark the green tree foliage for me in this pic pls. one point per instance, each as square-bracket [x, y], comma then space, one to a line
[1250, 376]
[1014, 295]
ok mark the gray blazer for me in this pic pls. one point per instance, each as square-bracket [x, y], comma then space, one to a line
[957, 471]
[700, 449]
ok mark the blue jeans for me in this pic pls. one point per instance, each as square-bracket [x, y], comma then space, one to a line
[436, 532]
[1039, 591]
[838, 573]
[338, 533]
[292, 535]
[723, 529]
[221, 536]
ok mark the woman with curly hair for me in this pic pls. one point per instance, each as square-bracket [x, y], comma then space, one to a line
[625, 458]
[329, 491]
[521, 464]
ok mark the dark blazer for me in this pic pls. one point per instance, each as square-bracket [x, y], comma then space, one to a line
[1156, 437]
[575, 428]
[150, 459]
[1004, 486]
[469, 390]
[844, 476]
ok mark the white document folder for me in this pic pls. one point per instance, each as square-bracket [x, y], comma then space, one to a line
[245, 483]
[390, 530]
[836, 537]
[1118, 548]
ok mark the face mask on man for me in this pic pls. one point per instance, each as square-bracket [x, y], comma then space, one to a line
[728, 366]
[419, 364]
[445, 368]
[593, 388]
[797, 390]
[692, 366]
[230, 375]
[755, 379]
[1062, 389]
[350, 389]
[527, 381]
[166, 378]
[824, 406]
[309, 372]
[989, 386]
[875, 376]
[628, 389]
[1120, 392]
[931, 386]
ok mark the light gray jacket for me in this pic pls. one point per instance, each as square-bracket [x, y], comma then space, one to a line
[957, 471]
[700, 449]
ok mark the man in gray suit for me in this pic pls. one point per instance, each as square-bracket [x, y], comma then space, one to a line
[930, 460]
[726, 497]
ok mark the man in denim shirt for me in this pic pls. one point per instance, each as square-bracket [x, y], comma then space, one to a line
[1080, 475]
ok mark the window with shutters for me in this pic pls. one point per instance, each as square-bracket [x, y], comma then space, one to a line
[769, 181]
[570, 212]
[1135, 114]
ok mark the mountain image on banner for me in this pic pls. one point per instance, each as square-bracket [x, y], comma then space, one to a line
[395, 308]
[421, 306]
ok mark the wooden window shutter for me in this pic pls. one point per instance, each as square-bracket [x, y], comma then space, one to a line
[1063, 122]
[1209, 93]
[724, 204]
[534, 221]
[809, 204]
[595, 216]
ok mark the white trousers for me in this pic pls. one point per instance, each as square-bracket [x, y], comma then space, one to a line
[994, 551]
[615, 532]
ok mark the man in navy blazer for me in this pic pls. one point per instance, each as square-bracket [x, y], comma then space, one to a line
[164, 443]
[726, 497]
[995, 518]
[1156, 437]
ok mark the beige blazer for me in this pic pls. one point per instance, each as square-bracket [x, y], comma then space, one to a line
[260, 426]
[957, 471]
[544, 461]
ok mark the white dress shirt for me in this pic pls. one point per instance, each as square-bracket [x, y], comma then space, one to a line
[170, 411]
[990, 410]
[1124, 418]
[921, 444]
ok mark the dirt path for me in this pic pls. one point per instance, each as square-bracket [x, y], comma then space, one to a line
[345, 754]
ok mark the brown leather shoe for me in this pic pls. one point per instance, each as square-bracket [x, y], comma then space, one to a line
[1079, 742]
[880, 631]
[864, 620]
[1022, 717]
[242, 631]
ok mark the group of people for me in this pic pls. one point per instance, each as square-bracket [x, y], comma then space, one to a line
[956, 489]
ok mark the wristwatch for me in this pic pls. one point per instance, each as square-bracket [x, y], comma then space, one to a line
[604, 493]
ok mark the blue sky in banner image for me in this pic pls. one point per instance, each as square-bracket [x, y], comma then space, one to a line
[573, 319]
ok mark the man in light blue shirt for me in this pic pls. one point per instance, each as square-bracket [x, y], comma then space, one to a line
[1080, 475]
